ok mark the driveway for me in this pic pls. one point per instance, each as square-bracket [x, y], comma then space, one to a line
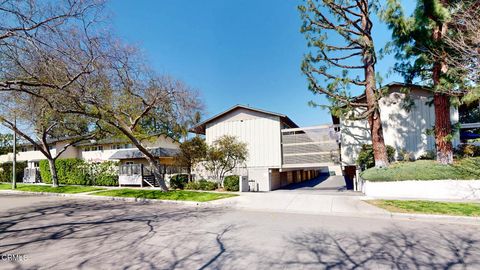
[303, 201]
[66, 233]
[323, 182]
[322, 195]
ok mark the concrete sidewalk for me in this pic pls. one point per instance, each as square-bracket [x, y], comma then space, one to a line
[303, 202]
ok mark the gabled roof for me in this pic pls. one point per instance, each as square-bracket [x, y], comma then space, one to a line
[200, 128]
[135, 153]
[391, 84]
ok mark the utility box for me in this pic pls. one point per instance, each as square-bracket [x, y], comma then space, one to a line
[244, 187]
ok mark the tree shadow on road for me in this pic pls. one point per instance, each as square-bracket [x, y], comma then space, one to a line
[392, 248]
[112, 235]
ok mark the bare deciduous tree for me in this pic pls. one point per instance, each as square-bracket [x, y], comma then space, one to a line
[124, 94]
[36, 42]
[37, 123]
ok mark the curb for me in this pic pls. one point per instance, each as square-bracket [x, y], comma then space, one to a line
[88, 195]
[230, 204]
[436, 218]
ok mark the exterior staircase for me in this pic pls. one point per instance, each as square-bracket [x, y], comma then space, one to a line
[150, 180]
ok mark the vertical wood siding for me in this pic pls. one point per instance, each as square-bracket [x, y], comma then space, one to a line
[262, 135]
[404, 129]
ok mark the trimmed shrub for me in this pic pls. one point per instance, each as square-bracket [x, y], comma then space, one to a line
[178, 181]
[194, 185]
[201, 185]
[69, 172]
[467, 150]
[102, 174]
[232, 183]
[429, 155]
[365, 157]
[6, 171]
[207, 185]
[79, 172]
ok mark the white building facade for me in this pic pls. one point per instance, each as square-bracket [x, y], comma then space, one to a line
[262, 132]
[406, 123]
[90, 151]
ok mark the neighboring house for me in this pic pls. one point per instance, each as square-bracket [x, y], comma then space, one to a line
[135, 169]
[405, 122]
[95, 151]
[279, 152]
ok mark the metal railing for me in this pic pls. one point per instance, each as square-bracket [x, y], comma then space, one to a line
[140, 169]
[131, 169]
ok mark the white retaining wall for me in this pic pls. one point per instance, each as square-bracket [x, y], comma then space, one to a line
[432, 189]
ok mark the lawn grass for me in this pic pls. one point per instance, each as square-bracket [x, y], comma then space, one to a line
[429, 207]
[175, 195]
[50, 189]
[463, 169]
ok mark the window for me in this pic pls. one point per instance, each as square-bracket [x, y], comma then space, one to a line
[23, 149]
[93, 148]
[129, 163]
[36, 164]
[122, 146]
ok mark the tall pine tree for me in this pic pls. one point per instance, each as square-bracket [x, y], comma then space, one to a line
[341, 59]
[419, 41]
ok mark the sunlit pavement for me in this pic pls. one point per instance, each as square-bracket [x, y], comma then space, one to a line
[68, 233]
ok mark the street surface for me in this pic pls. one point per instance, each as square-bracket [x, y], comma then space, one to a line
[68, 233]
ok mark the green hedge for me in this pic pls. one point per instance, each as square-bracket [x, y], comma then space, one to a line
[461, 169]
[232, 183]
[178, 181]
[69, 172]
[201, 185]
[6, 171]
[78, 172]
[102, 174]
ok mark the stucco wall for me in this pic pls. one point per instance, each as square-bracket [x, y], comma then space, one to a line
[433, 189]
[404, 127]
[71, 152]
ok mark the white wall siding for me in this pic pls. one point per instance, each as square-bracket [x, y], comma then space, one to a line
[432, 189]
[405, 129]
[354, 135]
[262, 135]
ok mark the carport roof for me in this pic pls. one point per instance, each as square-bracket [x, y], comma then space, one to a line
[200, 128]
[135, 153]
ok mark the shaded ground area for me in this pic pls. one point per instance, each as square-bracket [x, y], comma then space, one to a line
[323, 184]
[62, 233]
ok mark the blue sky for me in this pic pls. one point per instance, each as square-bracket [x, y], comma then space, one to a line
[234, 52]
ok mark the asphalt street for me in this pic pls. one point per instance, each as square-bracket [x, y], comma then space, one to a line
[68, 233]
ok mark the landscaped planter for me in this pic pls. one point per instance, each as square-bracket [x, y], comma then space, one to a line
[424, 189]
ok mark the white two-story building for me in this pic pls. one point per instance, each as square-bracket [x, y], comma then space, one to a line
[92, 151]
[279, 152]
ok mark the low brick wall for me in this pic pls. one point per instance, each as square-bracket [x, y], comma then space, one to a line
[432, 189]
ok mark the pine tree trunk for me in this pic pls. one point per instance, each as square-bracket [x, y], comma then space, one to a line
[374, 120]
[53, 172]
[375, 123]
[443, 129]
[441, 101]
